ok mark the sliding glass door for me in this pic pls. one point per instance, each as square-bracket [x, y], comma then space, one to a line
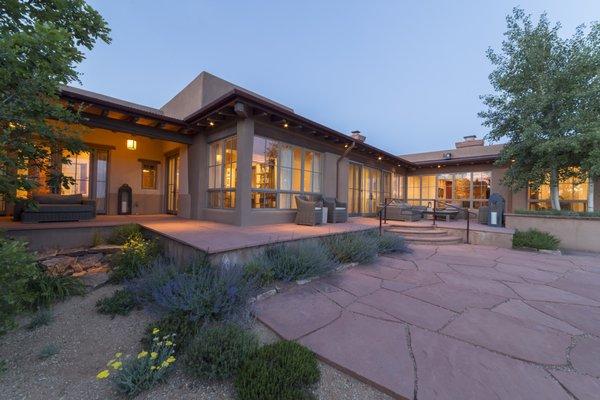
[172, 183]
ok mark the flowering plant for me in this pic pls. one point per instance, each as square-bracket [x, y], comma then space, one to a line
[143, 371]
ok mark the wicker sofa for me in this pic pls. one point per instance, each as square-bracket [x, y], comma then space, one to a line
[57, 208]
[404, 212]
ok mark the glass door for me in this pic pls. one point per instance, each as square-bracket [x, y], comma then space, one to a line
[172, 183]
[371, 189]
[354, 189]
[101, 176]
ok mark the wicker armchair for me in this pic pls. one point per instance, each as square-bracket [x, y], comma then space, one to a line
[308, 212]
[336, 210]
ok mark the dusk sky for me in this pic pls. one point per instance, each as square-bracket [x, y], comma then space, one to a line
[407, 74]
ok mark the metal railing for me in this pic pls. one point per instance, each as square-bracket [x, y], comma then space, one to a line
[383, 212]
[465, 210]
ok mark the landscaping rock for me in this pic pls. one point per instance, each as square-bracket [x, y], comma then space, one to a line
[59, 265]
[106, 248]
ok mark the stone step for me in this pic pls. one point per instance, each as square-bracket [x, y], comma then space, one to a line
[408, 226]
[423, 232]
[439, 240]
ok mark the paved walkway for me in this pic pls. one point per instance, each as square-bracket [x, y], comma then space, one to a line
[457, 322]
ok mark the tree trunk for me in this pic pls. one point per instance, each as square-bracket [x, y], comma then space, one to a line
[554, 199]
[590, 205]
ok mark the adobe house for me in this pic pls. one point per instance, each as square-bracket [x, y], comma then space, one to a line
[221, 153]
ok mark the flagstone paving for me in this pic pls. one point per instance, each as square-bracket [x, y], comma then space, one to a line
[455, 322]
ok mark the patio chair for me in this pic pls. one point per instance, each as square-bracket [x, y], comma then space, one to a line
[308, 212]
[336, 210]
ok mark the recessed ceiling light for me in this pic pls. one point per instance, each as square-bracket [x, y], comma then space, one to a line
[211, 123]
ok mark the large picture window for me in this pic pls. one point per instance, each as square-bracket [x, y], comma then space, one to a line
[222, 173]
[281, 171]
[79, 169]
[571, 192]
[463, 189]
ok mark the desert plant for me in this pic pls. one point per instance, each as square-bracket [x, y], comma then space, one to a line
[218, 351]
[535, 239]
[137, 253]
[205, 293]
[48, 351]
[280, 371]
[121, 234]
[260, 271]
[154, 276]
[391, 243]
[17, 270]
[49, 289]
[178, 325]
[353, 247]
[122, 302]
[149, 367]
[298, 261]
[41, 318]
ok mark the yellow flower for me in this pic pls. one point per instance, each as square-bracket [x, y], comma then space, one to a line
[169, 343]
[155, 331]
[142, 354]
[153, 367]
[103, 374]
[110, 362]
[118, 355]
[153, 355]
[171, 359]
[164, 364]
[117, 365]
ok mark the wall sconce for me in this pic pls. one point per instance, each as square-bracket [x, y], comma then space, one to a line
[131, 144]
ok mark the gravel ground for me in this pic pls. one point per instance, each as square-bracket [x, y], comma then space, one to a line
[86, 340]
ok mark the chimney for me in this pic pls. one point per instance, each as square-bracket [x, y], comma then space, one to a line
[469, 141]
[358, 137]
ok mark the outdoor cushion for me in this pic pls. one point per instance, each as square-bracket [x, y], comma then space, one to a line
[58, 199]
[340, 208]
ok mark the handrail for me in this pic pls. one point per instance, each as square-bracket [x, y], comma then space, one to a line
[383, 213]
[463, 209]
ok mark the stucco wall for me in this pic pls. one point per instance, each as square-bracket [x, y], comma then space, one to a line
[574, 233]
[125, 167]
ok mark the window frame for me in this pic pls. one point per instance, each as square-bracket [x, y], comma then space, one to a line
[225, 194]
[154, 166]
[278, 166]
[472, 202]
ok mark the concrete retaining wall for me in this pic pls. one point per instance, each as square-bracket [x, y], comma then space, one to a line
[582, 234]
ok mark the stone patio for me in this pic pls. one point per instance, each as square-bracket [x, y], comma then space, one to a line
[455, 322]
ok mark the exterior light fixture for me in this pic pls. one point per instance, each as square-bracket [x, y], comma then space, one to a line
[380, 158]
[439, 166]
[211, 123]
[346, 145]
[285, 124]
[131, 144]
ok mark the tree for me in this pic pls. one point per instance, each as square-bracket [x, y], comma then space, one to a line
[543, 103]
[41, 42]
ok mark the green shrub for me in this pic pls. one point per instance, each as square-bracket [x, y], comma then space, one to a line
[137, 253]
[50, 289]
[289, 262]
[154, 276]
[260, 271]
[391, 243]
[535, 239]
[41, 318]
[142, 372]
[280, 371]
[353, 247]
[178, 325]
[122, 302]
[48, 351]
[3, 367]
[121, 234]
[217, 352]
[17, 270]
[564, 213]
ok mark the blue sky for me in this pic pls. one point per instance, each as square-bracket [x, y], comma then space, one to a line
[407, 74]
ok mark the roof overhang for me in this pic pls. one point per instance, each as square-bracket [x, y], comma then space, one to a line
[486, 159]
[238, 103]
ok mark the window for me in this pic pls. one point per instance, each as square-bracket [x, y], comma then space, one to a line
[149, 175]
[463, 189]
[397, 186]
[281, 171]
[222, 173]
[79, 170]
[571, 192]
